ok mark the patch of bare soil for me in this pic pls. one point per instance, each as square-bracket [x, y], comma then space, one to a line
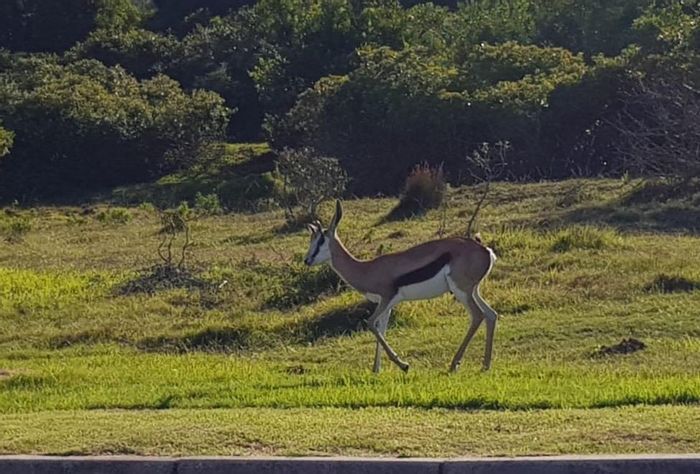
[625, 346]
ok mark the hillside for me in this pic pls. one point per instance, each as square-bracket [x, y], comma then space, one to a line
[97, 357]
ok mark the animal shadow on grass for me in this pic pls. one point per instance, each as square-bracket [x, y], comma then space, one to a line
[211, 339]
[335, 323]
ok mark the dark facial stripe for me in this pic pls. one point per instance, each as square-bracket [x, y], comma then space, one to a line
[423, 273]
[318, 248]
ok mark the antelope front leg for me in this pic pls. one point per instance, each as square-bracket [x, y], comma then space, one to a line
[383, 310]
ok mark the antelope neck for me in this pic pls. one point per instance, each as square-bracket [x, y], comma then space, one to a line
[345, 265]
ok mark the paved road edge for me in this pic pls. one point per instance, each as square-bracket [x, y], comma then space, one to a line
[623, 464]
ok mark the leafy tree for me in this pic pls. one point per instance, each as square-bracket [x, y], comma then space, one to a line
[6, 138]
[141, 52]
[54, 26]
[86, 125]
[218, 57]
[669, 40]
[399, 108]
[182, 16]
[588, 26]
[381, 84]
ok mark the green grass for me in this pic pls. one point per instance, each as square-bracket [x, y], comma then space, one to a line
[210, 370]
[364, 432]
[238, 174]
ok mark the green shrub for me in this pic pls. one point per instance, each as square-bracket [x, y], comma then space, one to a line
[147, 207]
[405, 107]
[114, 216]
[289, 284]
[584, 238]
[6, 138]
[40, 25]
[141, 52]
[85, 125]
[207, 204]
[16, 228]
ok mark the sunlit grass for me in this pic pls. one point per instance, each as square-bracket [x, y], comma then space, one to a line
[370, 432]
[277, 337]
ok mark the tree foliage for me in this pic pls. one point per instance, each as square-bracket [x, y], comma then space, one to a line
[134, 87]
[86, 125]
[40, 25]
[6, 138]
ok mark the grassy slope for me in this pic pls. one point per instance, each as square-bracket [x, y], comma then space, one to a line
[89, 363]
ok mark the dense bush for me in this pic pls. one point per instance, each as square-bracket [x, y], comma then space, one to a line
[85, 125]
[6, 138]
[181, 16]
[399, 108]
[588, 26]
[54, 26]
[380, 84]
[141, 52]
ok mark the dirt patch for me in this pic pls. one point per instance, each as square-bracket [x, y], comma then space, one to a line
[5, 374]
[296, 370]
[625, 346]
[397, 235]
[163, 278]
[672, 284]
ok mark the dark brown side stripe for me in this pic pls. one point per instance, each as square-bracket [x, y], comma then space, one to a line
[423, 273]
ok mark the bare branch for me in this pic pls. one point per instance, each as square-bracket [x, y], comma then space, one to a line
[659, 128]
[308, 180]
[487, 163]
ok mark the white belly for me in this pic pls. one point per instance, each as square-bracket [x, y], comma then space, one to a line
[427, 289]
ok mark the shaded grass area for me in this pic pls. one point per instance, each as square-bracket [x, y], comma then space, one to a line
[240, 175]
[661, 206]
[280, 336]
[365, 432]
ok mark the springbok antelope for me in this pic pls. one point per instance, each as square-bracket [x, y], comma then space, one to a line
[425, 271]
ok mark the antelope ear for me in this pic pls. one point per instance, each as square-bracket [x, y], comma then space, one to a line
[338, 215]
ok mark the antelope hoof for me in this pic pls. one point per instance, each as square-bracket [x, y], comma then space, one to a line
[453, 368]
[404, 366]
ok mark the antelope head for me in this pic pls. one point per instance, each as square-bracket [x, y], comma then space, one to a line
[319, 243]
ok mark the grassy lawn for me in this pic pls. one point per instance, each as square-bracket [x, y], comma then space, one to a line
[276, 361]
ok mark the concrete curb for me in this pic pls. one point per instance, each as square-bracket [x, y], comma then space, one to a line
[632, 464]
